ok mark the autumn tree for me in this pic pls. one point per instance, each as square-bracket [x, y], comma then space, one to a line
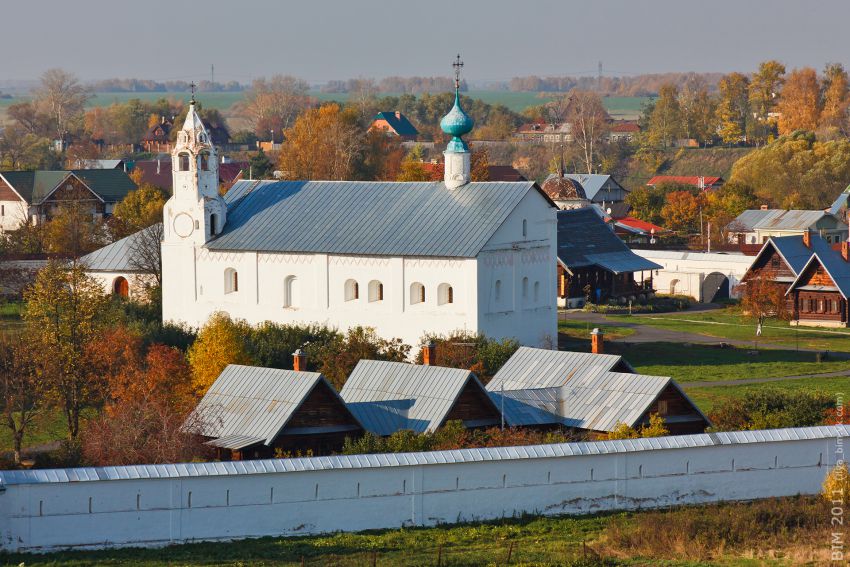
[723, 205]
[665, 122]
[260, 166]
[647, 203]
[62, 97]
[762, 298]
[139, 209]
[324, 143]
[382, 157]
[835, 98]
[733, 108]
[589, 123]
[65, 309]
[698, 110]
[221, 341]
[681, 212]
[764, 91]
[471, 351]
[655, 428]
[22, 389]
[413, 168]
[73, 230]
[337, 358]
[272, 105]
[799, 104]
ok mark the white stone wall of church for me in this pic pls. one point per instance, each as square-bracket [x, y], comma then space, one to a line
[161, 511]
[319, 291]
[14, 214]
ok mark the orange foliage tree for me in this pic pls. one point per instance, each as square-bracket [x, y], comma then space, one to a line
[799, 103]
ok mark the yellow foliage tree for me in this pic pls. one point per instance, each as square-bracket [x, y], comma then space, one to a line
[655, 428]
[799, 104]
[836, 485]
[220, 342]
[140, 208]
[324, 143]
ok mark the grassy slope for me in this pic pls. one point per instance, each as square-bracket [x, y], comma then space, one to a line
[688, 161]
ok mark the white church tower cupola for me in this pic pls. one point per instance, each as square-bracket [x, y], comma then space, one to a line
[457, 123]
[195, 212]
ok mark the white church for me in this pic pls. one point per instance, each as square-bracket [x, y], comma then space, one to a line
[405, 258]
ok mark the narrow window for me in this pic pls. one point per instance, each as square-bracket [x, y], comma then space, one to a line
[205, 161]
[524, 228]
[376, 291]
[231, 281]
[212, 224]
[536, 292]
[3, 210]
[417, 293]
[498, 290]
[352, 290]
[290, 290]
[184, 162]
[445, 294]
[525, 288]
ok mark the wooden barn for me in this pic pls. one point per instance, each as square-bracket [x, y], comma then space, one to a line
[588, 392]
[258, 413]
[594, 262]
[393, 396]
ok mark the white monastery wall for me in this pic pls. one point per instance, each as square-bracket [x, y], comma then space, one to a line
[221, 501]
[685, 272]
[136, 282]
[13, 214]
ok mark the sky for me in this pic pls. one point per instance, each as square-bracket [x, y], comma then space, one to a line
[321, 40]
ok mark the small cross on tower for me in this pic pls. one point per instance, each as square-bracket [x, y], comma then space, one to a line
[193, 86]
[458, 64]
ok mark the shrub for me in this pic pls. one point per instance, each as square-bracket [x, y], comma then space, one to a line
[476, 352]
[836, 485]
[771, 408]
[336, 358]
[655, 428]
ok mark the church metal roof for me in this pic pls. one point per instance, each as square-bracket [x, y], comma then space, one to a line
[118, 256]
[490, 454]
[366, 217]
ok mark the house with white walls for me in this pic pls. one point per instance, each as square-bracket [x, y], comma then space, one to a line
[405, 258]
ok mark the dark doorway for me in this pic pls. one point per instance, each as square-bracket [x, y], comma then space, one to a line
[715, 287]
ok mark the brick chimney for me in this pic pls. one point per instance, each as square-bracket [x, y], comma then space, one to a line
[845, 251]
[429, 354]
[807, 239]
[299, 361]
[763, 207]
[398, 114]
[597, 341]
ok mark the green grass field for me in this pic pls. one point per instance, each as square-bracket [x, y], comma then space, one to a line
[707, 398]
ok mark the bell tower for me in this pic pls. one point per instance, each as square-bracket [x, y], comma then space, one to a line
[195, 213]
[456, 123]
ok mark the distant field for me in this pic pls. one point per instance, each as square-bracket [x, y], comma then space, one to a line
[619, 107]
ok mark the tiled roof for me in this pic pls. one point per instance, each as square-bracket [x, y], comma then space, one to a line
[367, 218]
[400, 123]
[391, 396]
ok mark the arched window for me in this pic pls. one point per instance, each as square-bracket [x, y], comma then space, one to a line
[231, 281]
[536, 292]
[352, 290]
[120, 287]
[525, 288]
[417, 293]
[205, 161]
[290, 291]
[183, 160]
[498, 290]
[524, 228]
[213, 219]
[376, 291]
[445, 294]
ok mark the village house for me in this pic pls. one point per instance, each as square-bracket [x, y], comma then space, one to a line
[566, 192]
[158, 172]
[633, 230]
[259, 413]
[755, 226]
[601, 189]
[623, 131]
[158, 137]
[699, 181]
[387, 397]
[593, 262]
[396, 124]
[404, 258]
[35, 196]
[588, 392]
[543, 132]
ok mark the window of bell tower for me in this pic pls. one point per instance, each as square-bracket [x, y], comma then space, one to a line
[184, 162]
[205, 161]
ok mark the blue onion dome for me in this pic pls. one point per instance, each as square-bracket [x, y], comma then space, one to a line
[457, 123]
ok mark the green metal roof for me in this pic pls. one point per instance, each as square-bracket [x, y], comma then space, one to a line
[112, 185]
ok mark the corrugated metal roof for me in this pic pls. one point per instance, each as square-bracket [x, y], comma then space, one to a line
[390, 396]
[235, 442]
[795, 253]
[251, 401]
[593, 183]
[585, 240]
[835, 266]
[367, 218]
[117, 257]
[534, 368]
[342, 462]
[777, 219]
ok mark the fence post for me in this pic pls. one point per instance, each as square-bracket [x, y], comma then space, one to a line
[510, 552]
[440, 556]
